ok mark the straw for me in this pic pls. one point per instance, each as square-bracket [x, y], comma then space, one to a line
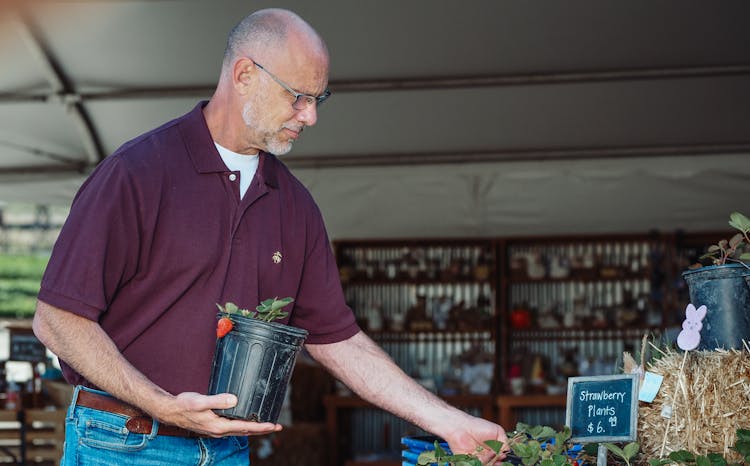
[710, 390]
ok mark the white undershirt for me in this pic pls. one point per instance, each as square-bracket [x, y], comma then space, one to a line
[243, 163]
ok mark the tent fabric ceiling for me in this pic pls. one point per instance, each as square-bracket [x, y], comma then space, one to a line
[449, 118]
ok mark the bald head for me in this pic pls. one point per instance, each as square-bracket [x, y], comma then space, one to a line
[269, 31]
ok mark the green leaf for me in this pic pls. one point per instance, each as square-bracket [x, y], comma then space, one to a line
[231, 308]
[522, 450]
[543, 432]
[467, 462]
[559, 460]
[522, 428]
[631, 449]
[279, 303]
[264, 306]
[615, 449]
[494, 445]
[682, 456]
[716, 459]
[591, 448]
[426, 458]
[742, 446]
[736, 240]
[561, 439]
[439, 452]
[739, 221]
[659, 462]
[743, 435]
[701, 460]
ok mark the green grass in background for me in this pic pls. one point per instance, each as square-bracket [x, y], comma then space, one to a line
[20, 276]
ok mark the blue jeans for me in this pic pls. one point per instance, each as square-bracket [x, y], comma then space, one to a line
[94, 437]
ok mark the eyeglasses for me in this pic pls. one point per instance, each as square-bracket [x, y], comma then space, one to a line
[301, 101]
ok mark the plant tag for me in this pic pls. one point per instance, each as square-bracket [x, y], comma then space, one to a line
[650, 387]
[666, 411]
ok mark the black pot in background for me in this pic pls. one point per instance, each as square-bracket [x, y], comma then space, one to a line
[725, 290]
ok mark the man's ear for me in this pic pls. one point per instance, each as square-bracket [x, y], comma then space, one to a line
[243, 75]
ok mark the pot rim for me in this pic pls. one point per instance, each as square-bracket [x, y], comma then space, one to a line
[247, 320]
[708, 268]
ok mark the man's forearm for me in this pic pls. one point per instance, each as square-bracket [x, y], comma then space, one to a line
[83, 344]
[368, 371]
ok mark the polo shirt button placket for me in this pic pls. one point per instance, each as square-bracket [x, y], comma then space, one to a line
[232, 177]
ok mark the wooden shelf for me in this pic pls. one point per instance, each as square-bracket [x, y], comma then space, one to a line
[414, 281]
[589, 333]
[508, 404]
[430, 335]
[373, 463]
[574, 279]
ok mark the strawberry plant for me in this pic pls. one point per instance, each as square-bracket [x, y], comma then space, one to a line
[537, 445]
[441, 457]
[741, 446]
[730, 250]
[267, 311]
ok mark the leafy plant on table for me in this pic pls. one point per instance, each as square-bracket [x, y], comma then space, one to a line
[441, 457]
[537, 445]
[626, 453]
[726, 250]
[267, 311]
[741, 445]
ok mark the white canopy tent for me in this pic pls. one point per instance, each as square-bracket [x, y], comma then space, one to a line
[484, 118]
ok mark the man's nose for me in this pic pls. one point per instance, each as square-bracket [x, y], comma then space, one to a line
[308, 116]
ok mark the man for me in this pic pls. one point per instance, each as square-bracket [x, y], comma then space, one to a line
[193, 213]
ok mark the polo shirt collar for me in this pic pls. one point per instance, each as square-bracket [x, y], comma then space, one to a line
[206, 159]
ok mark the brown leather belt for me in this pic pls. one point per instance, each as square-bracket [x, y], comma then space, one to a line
[138, 422]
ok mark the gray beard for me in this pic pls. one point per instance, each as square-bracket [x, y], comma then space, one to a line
[272, 144]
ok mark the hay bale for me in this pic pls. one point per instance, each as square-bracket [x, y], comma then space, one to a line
[712, 395]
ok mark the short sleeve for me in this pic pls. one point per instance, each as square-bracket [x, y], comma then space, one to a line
[320, 306]
[97, 249]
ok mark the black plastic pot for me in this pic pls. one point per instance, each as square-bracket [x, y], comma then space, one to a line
[255, 362]
[725, 290]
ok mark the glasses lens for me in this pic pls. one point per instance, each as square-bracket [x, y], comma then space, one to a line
[304, 101]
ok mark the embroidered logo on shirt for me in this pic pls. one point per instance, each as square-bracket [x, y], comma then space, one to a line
[276, 258]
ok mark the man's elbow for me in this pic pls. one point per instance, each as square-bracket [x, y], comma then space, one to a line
[40, 324]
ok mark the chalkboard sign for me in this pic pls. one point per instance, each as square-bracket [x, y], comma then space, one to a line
[26, 347]
[603, 408]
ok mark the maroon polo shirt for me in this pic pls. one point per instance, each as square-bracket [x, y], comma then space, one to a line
[157, 235]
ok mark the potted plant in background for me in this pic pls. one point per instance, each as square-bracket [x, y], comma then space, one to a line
[254, 359]
[724, 288]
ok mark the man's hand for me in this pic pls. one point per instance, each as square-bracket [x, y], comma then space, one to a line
[471, 432]
[193, 411]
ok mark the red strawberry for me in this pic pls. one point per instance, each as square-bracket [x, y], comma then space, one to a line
[224, 326]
